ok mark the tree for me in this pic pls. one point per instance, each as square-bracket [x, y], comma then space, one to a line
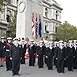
[66, 32]
[1, 5]
[12, 26]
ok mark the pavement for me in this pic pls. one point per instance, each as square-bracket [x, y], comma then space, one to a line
[27, 71]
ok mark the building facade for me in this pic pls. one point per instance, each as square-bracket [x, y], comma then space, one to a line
[10, 6]
[51, 18]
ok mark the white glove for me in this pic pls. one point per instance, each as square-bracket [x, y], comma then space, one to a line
[10, 58]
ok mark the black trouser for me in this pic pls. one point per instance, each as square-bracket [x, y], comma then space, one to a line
[15, 66]
[40, 61]
[8, 63]
[50, 63]
[66, 63]
[70, 63]
[55, 62]
[60, 65]
[45, 60]
[31, 60]
[75, 65]
[23, 60]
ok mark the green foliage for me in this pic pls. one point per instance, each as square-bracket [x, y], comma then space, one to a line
[12, 26]
[66, 32]
[1, 5]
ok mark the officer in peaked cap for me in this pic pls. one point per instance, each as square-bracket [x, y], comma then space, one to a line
[7, 49]
[23, 51]
[2, 51]
[15, 56]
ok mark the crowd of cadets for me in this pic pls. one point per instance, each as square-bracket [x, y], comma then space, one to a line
[58, 54]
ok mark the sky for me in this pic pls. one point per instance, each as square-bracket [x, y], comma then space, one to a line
[69, 12]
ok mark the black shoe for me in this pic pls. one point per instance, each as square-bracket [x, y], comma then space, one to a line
[13, 74]
[18, 74]
[7, 70]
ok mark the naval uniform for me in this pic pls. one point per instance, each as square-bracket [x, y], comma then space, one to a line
[8, 61]
[23, 51]
[32, 55]
[60, 59]
[40, 56]
[50, 58]
[2, 53]
[75, 57]
[15, 54]
[70, 53]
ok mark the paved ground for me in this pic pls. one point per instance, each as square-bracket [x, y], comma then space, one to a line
[27, 71]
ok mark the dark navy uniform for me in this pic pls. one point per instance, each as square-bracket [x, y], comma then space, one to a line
[15, 54]
[75, 57]
[60, 59]
[40, 57]
[8, 61]
[32, 55]
[2, 52]
[55, 52]
[66, 59]
[50, 58]
[23, 51]
[70, 53]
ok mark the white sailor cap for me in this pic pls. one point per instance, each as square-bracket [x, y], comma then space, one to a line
[2, 37]
[65, 42]
[70, 41]
[75, 40]
[15, 39]
[50, 42]
[9, 38]
[61, 41]
[45, 41]
[55, 42]
[41, 41]
[31, 40]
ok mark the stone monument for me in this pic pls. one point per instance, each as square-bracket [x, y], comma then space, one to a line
[24, 17]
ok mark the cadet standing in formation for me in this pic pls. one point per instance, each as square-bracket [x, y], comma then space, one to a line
[2, 51]
[32, 53]
[23, 51]
[7, 47]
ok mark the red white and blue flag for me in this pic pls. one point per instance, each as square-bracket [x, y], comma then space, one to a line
[40, 27]
[33, 27]
[36, 27]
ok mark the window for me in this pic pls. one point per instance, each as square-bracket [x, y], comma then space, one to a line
[8, 18]
[56, 15]
[56, 29]
[9, 1]
[46, 12]
[45, 27]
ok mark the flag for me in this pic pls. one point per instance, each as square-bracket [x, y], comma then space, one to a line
[33, 27]
[36, 27]
[40, 26]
